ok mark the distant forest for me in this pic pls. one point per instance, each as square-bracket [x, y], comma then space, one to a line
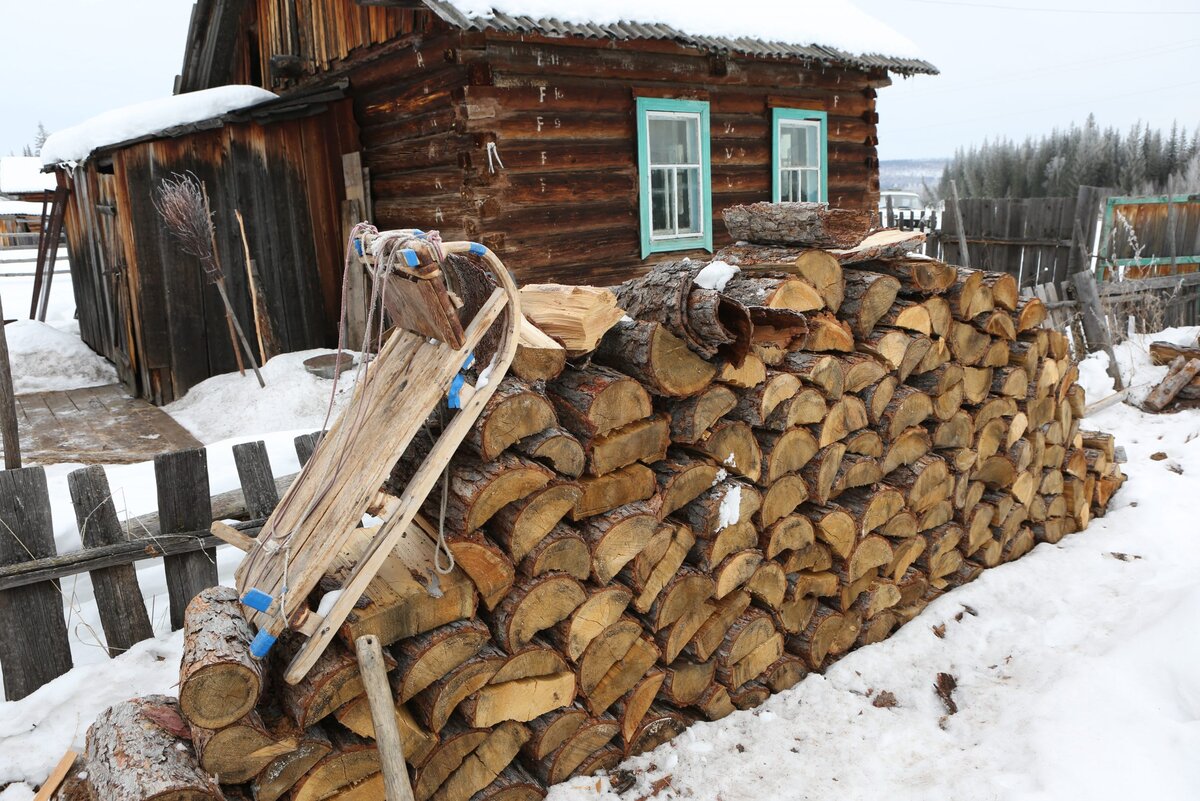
[1140, 161]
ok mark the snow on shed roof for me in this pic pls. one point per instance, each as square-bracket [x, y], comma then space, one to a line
[147, 119]
[21, 175]
[20, 208]
[826, 30]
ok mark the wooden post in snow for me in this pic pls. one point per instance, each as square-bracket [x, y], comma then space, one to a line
[8, 406]
[964, 255]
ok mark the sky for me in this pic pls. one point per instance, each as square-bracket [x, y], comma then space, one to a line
[1009, 68]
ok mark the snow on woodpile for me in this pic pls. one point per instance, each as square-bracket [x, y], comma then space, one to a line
[831, 23]
[21, 175]
[146, 119]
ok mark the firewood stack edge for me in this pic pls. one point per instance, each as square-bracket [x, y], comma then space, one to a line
[691, 491]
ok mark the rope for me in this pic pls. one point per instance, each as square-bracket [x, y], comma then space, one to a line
[493, 153]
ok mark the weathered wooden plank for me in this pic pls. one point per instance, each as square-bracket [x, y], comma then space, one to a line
[254, 473]
[184, 505]
[34, 648]
[118, 597]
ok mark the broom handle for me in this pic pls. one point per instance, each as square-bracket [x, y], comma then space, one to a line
[238, 326]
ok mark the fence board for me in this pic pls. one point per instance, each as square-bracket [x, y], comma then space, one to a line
[184, 505]
[254, 473]
[118, 597]
[34, 648]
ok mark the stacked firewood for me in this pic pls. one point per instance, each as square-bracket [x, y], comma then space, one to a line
[1180, 389]
[692, 491]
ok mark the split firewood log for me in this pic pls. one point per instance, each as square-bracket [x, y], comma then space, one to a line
[785, 452]
[783, 292]
[715, 703]
[672, 639]
[490, 569]
[308, 747]
[603, 608]
[905, 448]
[750, 695]
[418, 742]
[805, 407]
[845, 416]
[828, 333]
[833, 526]
[539, 658]
[877, 396]
[623, 676]
[519, 700]
[815, 557]
[955, 432]
[522, 524]
[811, 224]
[555, 447]
[907, 315]
[781, 499]
[786, 672]
[605, 650]
[563, 550]
[861, 370]
[424, 659]
[924, 482]
[686, 680]
[648, 580]
[659, 725]
[1005, 292]
[819, 268]
[485, 764]
[692, 417]
[908, 407]
[601, 494]
[722, 505]
[900, 350]
[1030, 314]
[477, 489]
[709, 552]
[856, 471]
[513, 412]
[938, 354]
[680, 479]
[968, 344]
[618, 536]
[918, 275]
[751, 372]
[533, 605]
[235, 753]
[604, 759]
[458, 741]
[658, 359]
[433, 706]
[151, 732]
[821, 471]
[539, 356]
[219, 680]
[595, 400]
[703, 318]
[1163, 353]
[968, 295]
[756, 404]
[551, 730]
[997, 323]
[686, 589]
[869, 295]
[643, 440]
[711, 634]
[731, 444]
[333, 680]
[591, 736]
[791, 533]
[829, 633]
[576, 316]
[823, 371]
[351, 760]
[768, 585]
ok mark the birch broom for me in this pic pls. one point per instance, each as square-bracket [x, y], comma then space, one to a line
[182, 202]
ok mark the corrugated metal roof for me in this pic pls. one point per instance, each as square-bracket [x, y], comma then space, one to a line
[634, 30]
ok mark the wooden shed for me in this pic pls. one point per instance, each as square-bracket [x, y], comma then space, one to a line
[145, 305]
[579, 149]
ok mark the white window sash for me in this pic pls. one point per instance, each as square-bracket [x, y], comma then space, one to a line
[672, 173]
[814, 167]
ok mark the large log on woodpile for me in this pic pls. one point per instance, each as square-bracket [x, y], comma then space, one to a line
[726, 476]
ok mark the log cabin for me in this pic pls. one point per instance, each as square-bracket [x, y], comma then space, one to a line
[581, 148]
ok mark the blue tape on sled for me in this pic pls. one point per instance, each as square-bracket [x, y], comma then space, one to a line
[358, 246]
[477, 249]
[258, 600]
[262, 644]
[454, 400]
[410, 257]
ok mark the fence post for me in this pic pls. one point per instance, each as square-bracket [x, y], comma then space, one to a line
[184, 505]
[1095, 325]
[305, 445]
[34, 647]
[8, 405]
[258, 483]
[964, 255]
[118, 596]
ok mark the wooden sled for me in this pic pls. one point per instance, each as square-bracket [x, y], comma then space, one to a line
[407, 380]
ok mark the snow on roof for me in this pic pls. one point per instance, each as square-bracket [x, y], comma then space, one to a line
[21, 175]
[20, 208]
[828, 23]
[146, 119]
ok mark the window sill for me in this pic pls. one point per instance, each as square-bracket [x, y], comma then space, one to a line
[701, 242]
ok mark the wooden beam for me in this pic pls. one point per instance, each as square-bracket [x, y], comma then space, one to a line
[8, 406]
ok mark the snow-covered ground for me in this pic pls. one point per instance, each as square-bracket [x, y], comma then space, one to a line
[1076, 665]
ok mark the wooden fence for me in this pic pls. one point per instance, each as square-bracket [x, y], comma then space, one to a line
[34, 641]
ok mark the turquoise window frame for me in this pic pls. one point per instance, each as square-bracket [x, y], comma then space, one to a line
[704, 239]
[778, 117]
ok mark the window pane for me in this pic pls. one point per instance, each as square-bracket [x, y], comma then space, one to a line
[688, 208]
[660, 203]
[798, 144]
[789, 188]
[811, 191]
[811, 152]
[674, 140]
